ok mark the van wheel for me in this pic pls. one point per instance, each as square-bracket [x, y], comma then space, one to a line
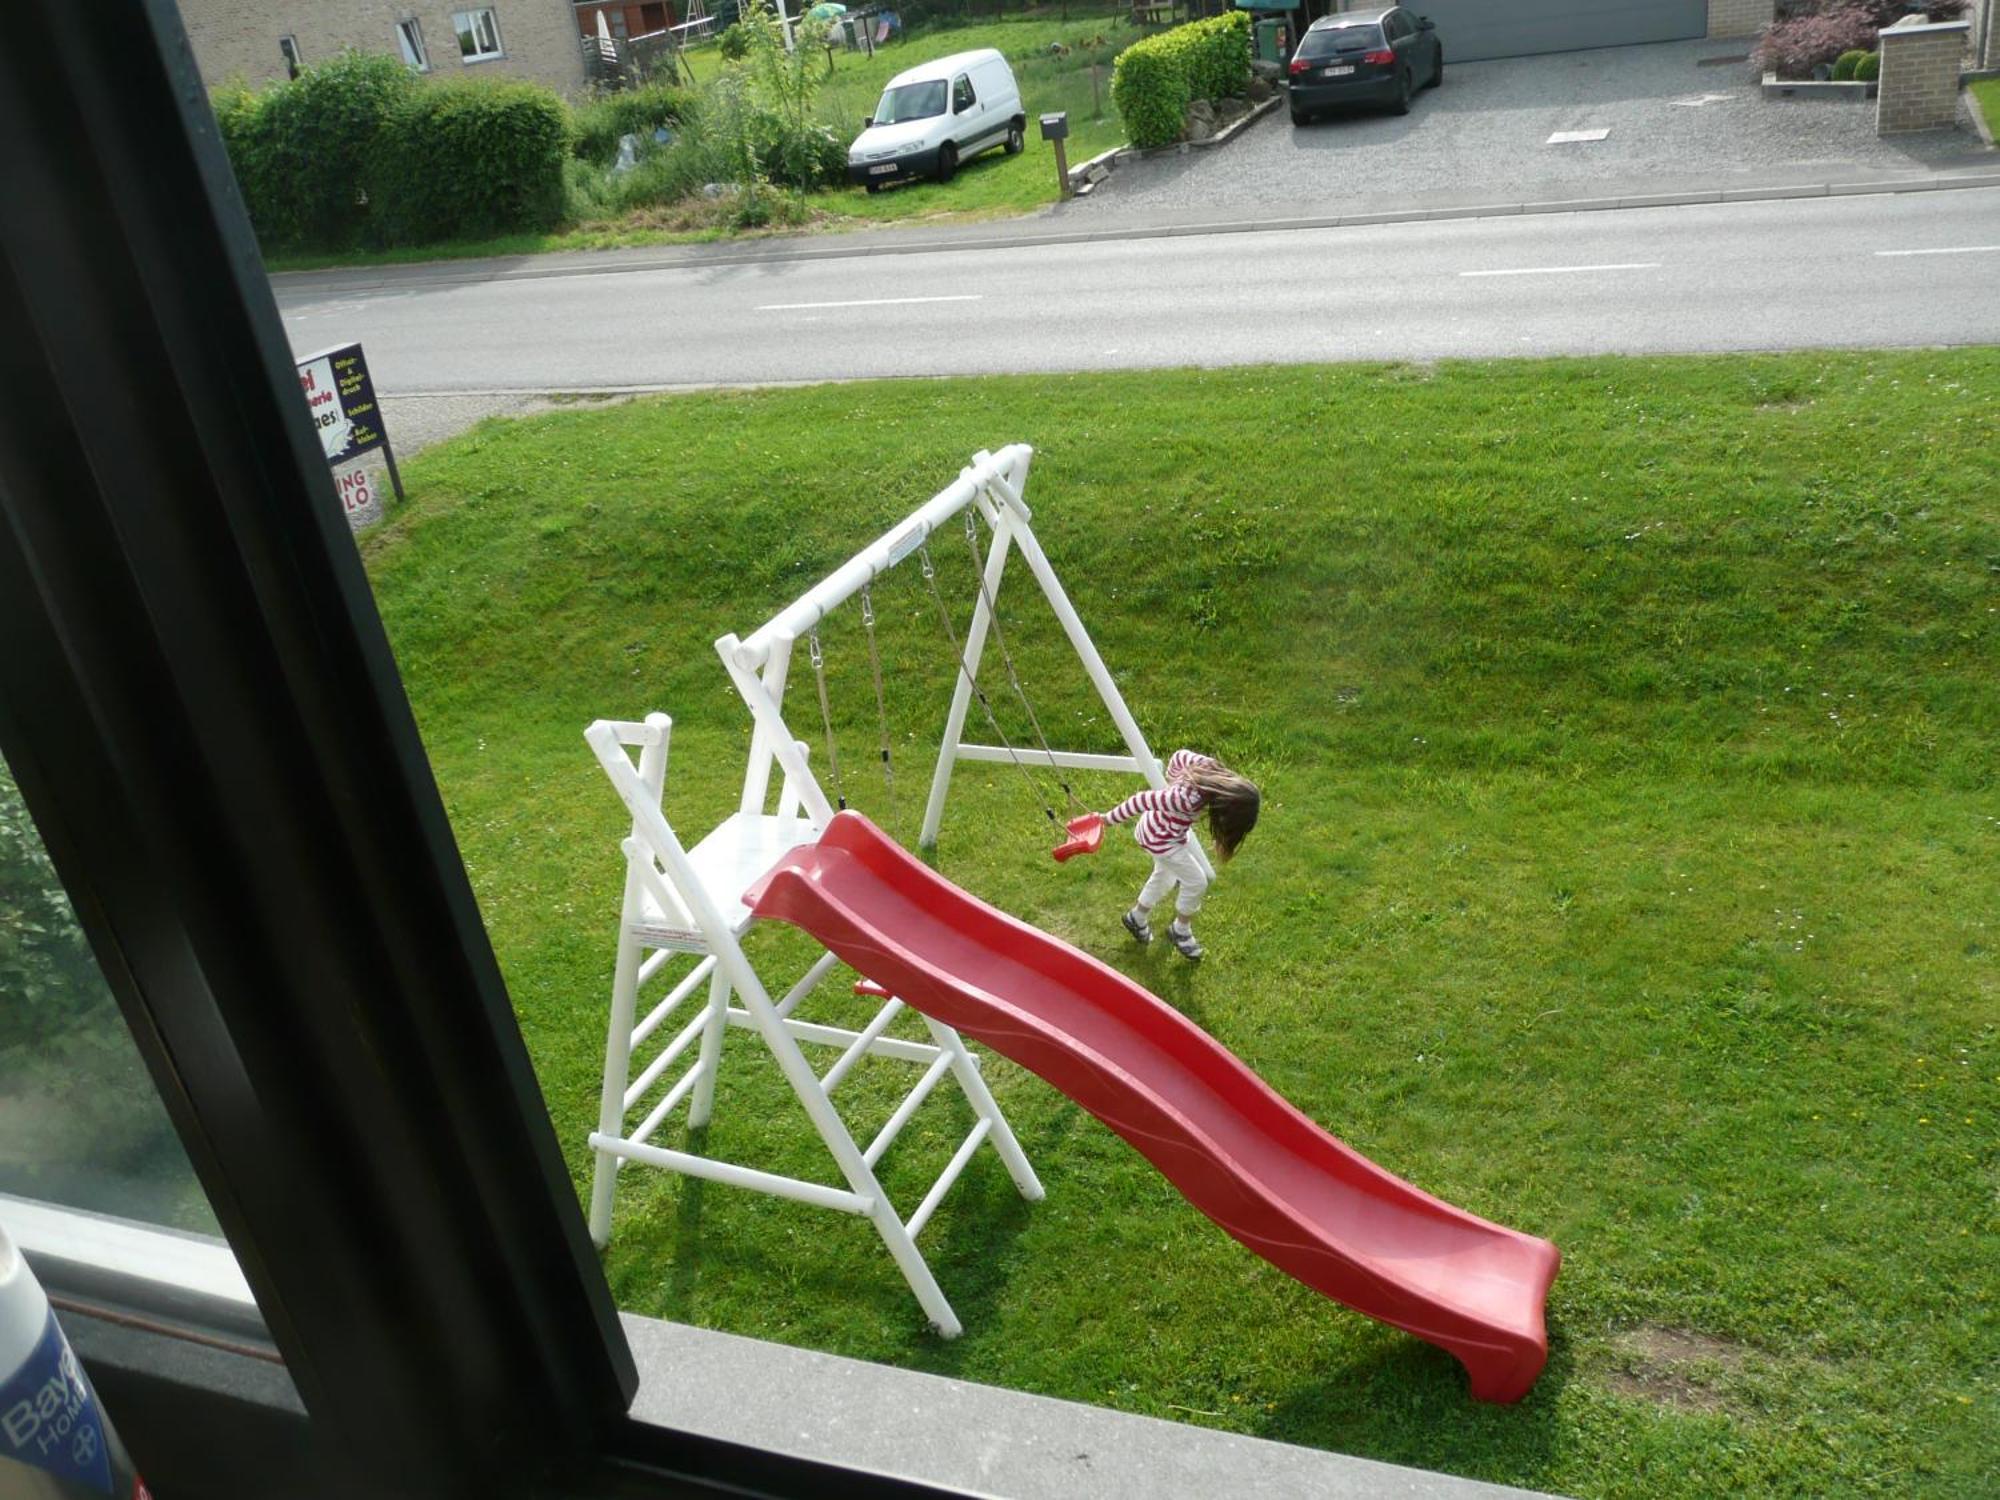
[947, 161]
[1017, 139]
[873, 187]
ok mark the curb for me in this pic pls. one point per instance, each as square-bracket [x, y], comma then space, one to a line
[1100, 166]
[349, 282]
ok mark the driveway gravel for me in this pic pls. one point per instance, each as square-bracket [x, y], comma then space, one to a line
[1674, 124]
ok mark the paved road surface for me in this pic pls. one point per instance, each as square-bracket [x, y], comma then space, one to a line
[1891, 269]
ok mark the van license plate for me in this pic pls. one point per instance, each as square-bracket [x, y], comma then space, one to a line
[1339, 72]
[883, 170]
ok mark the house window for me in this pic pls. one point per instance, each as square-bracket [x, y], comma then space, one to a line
[289, 47]
[478, 34]
[410, 36]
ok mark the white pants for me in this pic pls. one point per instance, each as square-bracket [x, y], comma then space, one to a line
[1178, 866]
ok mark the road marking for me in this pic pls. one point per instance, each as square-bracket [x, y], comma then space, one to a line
[1568, 137]
[1636, 265]
[865, 302]
[1947, 250]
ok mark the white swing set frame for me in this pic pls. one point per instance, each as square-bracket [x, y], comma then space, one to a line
[682, 902]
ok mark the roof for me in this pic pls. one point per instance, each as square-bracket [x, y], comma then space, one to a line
[939, 67]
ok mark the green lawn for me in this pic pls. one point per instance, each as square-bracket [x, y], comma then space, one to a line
[1628, 871]
[1986, 99]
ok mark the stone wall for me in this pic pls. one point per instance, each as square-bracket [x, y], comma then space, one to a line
[1740, 18]
[1920, 65]
[239, 38]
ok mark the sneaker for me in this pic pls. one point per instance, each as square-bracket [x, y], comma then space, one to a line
[1138, 926]
[1184, 941]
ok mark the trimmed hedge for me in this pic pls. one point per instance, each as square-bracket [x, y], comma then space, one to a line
[468, 159]
[1869, 68]
[1154, 81]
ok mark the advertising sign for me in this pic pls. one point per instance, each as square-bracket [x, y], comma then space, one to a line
[341, 398]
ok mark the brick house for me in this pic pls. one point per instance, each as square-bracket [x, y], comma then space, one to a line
[625, 18]
[261, 41]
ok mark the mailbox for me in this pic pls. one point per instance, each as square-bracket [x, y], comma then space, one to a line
[1055, 127]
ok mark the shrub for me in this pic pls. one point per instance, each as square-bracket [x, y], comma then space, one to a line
[467, 159]
[1869, 69]
[1155, 80]
[1844, 65]
[638, 112]
[299, 148]
[1792, 49]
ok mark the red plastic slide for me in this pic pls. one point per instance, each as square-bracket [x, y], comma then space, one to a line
[1310, 1205]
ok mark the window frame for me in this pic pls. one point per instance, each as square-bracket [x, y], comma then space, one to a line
[963, 81]
[491, 16]
[410, 38]
[288, 49]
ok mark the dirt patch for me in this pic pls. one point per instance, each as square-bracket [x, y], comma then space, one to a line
[1674, 1367]
[1801, 403]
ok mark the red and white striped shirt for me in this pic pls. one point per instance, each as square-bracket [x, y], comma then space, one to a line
[1166, 813]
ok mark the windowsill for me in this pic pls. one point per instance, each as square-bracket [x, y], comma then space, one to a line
[473, 62]
[875, 1418]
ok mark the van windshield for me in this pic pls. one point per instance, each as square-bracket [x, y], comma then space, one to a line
[913, 101]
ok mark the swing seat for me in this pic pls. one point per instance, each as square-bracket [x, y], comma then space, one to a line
[1086, 835]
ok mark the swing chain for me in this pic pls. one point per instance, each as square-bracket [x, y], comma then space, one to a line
[826, 716]
[881, 703]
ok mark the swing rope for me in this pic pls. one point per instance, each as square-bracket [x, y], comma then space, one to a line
[881, 705]
[1007, 659]
[951, 634]
[826, 717]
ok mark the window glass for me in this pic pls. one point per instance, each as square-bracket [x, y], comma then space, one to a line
[913, 101]
[961, 94]
[410, 37]
[1339, 39]
[80, 1123]
[478, 34]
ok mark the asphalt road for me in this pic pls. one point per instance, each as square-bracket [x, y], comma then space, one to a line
[1890, 269]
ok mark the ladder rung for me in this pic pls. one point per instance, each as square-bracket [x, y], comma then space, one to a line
[860, 1045]
[946, 1178]
[908, 1107]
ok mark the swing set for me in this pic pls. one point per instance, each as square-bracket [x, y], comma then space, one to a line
[681, 903]
[1256, 1165]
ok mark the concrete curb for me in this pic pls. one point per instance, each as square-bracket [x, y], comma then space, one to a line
[1852, 91]
[1105, 162]
[444, 274]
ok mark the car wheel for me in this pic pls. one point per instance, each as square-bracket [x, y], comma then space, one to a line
[1437, 73]
[1402, 104]
[1017, 140]
[1301, 116]
[948, 156]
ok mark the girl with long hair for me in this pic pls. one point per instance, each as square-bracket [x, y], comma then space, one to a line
[1196, 784]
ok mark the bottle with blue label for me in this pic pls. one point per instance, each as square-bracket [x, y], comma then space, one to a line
[56, 1443]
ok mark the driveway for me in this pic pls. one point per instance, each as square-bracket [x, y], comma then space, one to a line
[1679, 115]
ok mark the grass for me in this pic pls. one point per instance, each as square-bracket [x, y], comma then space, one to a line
[1627, 873]
[1986, 99]
[991, 185]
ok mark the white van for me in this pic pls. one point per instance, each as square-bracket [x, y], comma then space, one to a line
[935, 115]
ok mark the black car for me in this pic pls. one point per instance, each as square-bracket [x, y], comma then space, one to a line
[1365, 57]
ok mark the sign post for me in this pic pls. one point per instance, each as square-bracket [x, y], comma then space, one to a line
[341, 398]
[1055, 128]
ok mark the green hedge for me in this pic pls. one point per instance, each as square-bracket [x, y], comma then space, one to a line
[1869, 68]
[361, 151]
[468, 159]
[1155, 80]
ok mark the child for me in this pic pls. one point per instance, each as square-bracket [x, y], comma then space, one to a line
[1194, 783]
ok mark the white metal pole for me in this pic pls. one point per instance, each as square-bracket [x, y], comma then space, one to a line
[771, 721]
[961, 693]
[987, 1108]
[624, 991]
[717, 1022]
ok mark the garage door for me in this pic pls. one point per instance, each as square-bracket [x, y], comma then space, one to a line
[1472, 29]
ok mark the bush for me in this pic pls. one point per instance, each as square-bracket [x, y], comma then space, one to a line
[1844, 65]
[466, 159]
[1869, 69]
[299, 147]
[1792, 49]
[1155, 80]
[638, 112]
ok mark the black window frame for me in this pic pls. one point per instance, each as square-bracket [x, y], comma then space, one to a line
[963, 81]
[200, 706]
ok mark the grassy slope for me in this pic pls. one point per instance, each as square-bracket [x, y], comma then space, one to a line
[1986, 99]
[1628, 870]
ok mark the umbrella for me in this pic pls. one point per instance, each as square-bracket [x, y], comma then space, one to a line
[826, 10]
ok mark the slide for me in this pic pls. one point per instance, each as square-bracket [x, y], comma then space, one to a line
[1313, 1207]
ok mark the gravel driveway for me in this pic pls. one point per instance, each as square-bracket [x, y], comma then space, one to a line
[1675, 124]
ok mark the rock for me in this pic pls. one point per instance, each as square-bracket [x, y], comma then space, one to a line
[1261, 89]
[713, 190]
[1202, 112]
[1200, 130]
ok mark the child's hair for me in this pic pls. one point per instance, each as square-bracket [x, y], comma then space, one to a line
[1233, 804]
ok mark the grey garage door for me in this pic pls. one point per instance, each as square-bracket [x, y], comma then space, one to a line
[1473, 29]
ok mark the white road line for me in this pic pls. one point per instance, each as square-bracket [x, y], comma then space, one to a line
[1948, 250]
[1636, 265]
[865, 302]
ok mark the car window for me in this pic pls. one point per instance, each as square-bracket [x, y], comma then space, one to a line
[961, 93]
[1395, 26]
[1356, 38]
[913, 101]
